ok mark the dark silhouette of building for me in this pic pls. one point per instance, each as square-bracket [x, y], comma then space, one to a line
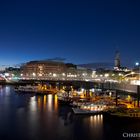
[117, 62]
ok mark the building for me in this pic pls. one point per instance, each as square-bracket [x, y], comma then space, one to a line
[42, 69]
[53, 70]
[117, 62]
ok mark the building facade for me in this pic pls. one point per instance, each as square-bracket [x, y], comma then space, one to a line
[53, 70]
[42, 69]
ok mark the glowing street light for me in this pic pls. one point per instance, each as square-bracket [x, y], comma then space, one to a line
[137, 63]
[63, 74]
[34, 74]
[106, 75]
[54, 75]
[120, 74]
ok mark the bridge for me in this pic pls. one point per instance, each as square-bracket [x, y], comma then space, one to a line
[99, 82]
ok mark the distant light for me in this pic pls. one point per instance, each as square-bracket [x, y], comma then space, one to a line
[54, 75]
[40, 74]
[63, 74]
[82, 90]
[7, 74]
[132, 72]
[120, 74]
[34, 74]
[106, 75]
[92, 90]
[137, 63]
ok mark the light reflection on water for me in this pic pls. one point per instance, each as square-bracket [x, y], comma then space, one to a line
[55, 103]
[44, 101]
[50, 102]
[96, 124]
[28, 117]
[33, 104]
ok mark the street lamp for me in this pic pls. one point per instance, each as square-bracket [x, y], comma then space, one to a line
[138, 65]
[138, 89]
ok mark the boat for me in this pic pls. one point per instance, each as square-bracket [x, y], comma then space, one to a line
[27, 89]
[80, 102]
[90, 109]
[34, 89]
[122, 115]
[64, 98]
[127, 113]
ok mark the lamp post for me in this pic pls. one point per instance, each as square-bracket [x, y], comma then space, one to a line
[138, 65]
[138, 86]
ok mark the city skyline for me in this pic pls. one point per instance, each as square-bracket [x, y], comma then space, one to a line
[80, 31]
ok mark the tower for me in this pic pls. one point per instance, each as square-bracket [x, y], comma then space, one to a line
[117, 60]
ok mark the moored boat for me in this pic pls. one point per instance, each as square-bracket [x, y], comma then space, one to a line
[27, 89]
[33, 89]
[127, 113]
[64, 98]
[123, 115]
[90, 109]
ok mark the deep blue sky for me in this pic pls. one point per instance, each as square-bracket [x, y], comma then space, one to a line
[81, 31]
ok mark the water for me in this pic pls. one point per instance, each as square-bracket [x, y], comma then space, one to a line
[26, 117]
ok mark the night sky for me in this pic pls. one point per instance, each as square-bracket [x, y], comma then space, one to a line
[82, 31]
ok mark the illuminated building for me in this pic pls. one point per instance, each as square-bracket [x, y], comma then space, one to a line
[42, 69]
[53, 70]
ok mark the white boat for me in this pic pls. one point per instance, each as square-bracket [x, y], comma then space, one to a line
[27, 88]
[90, 109]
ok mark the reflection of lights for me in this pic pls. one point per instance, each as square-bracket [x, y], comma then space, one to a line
[96, 123]
[95, 118]
[98, 117]
[7, 90]
[44, 100]
[101, 116]
[32, 98]
[55, 102]
[50, 98]
[39, 102]
[91, 118]
[33, 104]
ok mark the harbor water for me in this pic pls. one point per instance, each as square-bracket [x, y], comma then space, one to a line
[41, 117]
